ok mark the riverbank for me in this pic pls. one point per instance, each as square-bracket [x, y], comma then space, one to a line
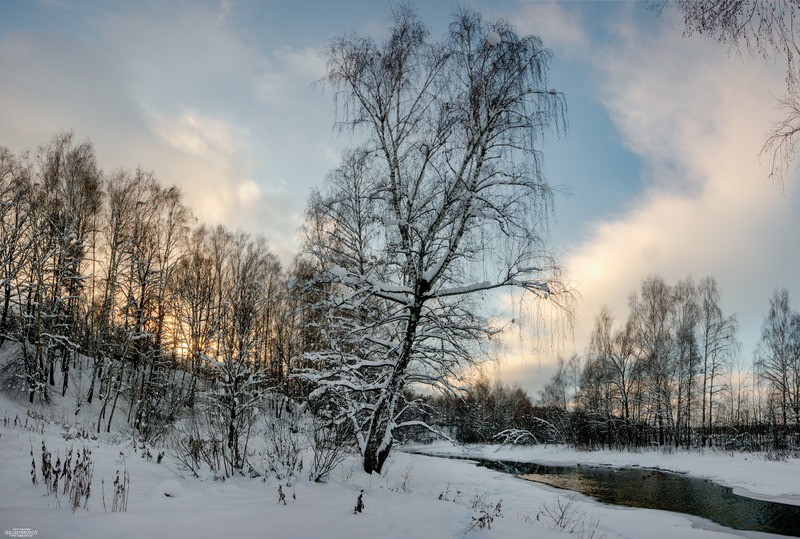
[748, 474]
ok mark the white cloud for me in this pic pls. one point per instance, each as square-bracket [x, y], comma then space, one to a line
[193, 133]
[179, 90]
[208, 159]
[289, 70]
[697, 119]
[556, 24]
[249, 192]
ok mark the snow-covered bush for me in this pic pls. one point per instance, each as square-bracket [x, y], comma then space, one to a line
[329, 444]
[284, 445]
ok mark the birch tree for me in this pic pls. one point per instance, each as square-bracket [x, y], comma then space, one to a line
[777, 360]
[685, 316]
[15, 197]
[717, 344]
[239, 371]
[616, 352]
[447, 204]
[62, 199]
[651, 315]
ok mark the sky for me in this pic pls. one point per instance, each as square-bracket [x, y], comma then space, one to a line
[659, 169]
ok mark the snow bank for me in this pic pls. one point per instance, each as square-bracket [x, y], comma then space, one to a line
[415, 497]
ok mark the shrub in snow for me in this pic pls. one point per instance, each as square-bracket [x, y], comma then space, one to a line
[445, 495]
[283, 449]
[194, 443]
[780, 455]
[405, 475]
[359, 503]
[47, 471]
[486, 513]
[121, 488]
[75, 479]
[66, 471]
[33, 467]
[564, 514]
[71, 432]
[329, 443]
[81, 484]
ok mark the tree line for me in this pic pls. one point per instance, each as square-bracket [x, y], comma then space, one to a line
[111, 274]
[671, 373]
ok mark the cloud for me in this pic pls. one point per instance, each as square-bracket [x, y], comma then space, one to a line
[557, 25]
[198, 135]
[287, 71]
[696, 118]
[208, 159]
[178, 89]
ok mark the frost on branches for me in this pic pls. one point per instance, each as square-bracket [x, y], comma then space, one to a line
[442, 202]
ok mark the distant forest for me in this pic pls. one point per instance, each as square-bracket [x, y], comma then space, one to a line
[671, 373]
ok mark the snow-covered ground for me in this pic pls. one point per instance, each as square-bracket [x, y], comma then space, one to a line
[416, 497]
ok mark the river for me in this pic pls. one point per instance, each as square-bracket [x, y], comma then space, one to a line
[657, 489]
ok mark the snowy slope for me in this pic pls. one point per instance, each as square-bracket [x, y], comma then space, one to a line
[416, 497]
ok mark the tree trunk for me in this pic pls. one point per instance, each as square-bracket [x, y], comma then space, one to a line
[374, 456]
[233, 439]
[711, 410]
[51, 367]
[379, 438]
[95, 374]
[4, 319]
[376, 452]
[65, 371]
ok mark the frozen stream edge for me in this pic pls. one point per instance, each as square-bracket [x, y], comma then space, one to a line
[697, 521]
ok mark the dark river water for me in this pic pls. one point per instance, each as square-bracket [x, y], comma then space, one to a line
[653, 489]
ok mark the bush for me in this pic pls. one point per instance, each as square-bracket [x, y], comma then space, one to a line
[329, 444]
[284, 449]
